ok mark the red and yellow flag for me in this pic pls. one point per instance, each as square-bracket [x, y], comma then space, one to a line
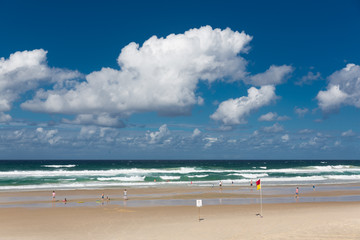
[258, 185]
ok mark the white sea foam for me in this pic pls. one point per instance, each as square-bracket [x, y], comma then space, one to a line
[138, 181]
[170, 177]
[123, 179]
[343, 177]
[60, 166]
[189, 171]
[249, 176]
[87, 185]
[198, 176]
[331, 168]
[74, 185]
[311, 178]
[294, 179]
[111, 172]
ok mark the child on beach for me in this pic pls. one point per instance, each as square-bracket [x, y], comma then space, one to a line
[53, 195]
[297, 192]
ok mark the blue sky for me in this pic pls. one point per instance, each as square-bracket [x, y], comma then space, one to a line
[180, 80]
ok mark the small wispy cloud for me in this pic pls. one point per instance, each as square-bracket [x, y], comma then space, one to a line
[272, 116]
[309, 78]
[348, 133]
[274, 128]
[301, 112]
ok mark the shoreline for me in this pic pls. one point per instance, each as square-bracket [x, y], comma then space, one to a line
[182, 196]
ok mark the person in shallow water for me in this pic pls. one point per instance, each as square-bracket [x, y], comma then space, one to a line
[297, 192]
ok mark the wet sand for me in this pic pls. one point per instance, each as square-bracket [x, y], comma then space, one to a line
[117, 219]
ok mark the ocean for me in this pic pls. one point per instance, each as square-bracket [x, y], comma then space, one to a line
[96, 174]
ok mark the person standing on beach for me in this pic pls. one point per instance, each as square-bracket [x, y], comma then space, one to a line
[313, 187]
[251, 183]
[125, 195]
[297, 192]
[53, 195]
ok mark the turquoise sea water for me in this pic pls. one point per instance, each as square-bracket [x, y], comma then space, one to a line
[83, 174]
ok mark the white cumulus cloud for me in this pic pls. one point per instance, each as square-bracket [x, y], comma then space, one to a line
[159, 136]
[274, 128]
[273, 76]
[309, 78]
[348, 133]
[235, 111]
[196, 133]
[343, 89]
[268, 117]
[301, 112]
[49, 136]
[210, 141]
[285, 138]
[332, 98]
[5, 117]
[103, 119]
[161, 76]
[24, 71]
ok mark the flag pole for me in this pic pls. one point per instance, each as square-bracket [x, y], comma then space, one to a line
[261, 202]
[258, 187]
[199, 214]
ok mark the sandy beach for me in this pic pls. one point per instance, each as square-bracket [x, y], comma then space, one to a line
[116, 219]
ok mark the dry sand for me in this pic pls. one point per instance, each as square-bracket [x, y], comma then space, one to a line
[297, 220]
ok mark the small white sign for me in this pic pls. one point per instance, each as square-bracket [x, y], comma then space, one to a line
[199, 203]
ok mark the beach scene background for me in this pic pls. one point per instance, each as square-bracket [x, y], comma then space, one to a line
[181, 120]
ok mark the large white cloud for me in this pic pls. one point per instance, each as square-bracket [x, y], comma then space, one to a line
[235, 111]
[24, 71]
[160, 76]
[343, 89]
